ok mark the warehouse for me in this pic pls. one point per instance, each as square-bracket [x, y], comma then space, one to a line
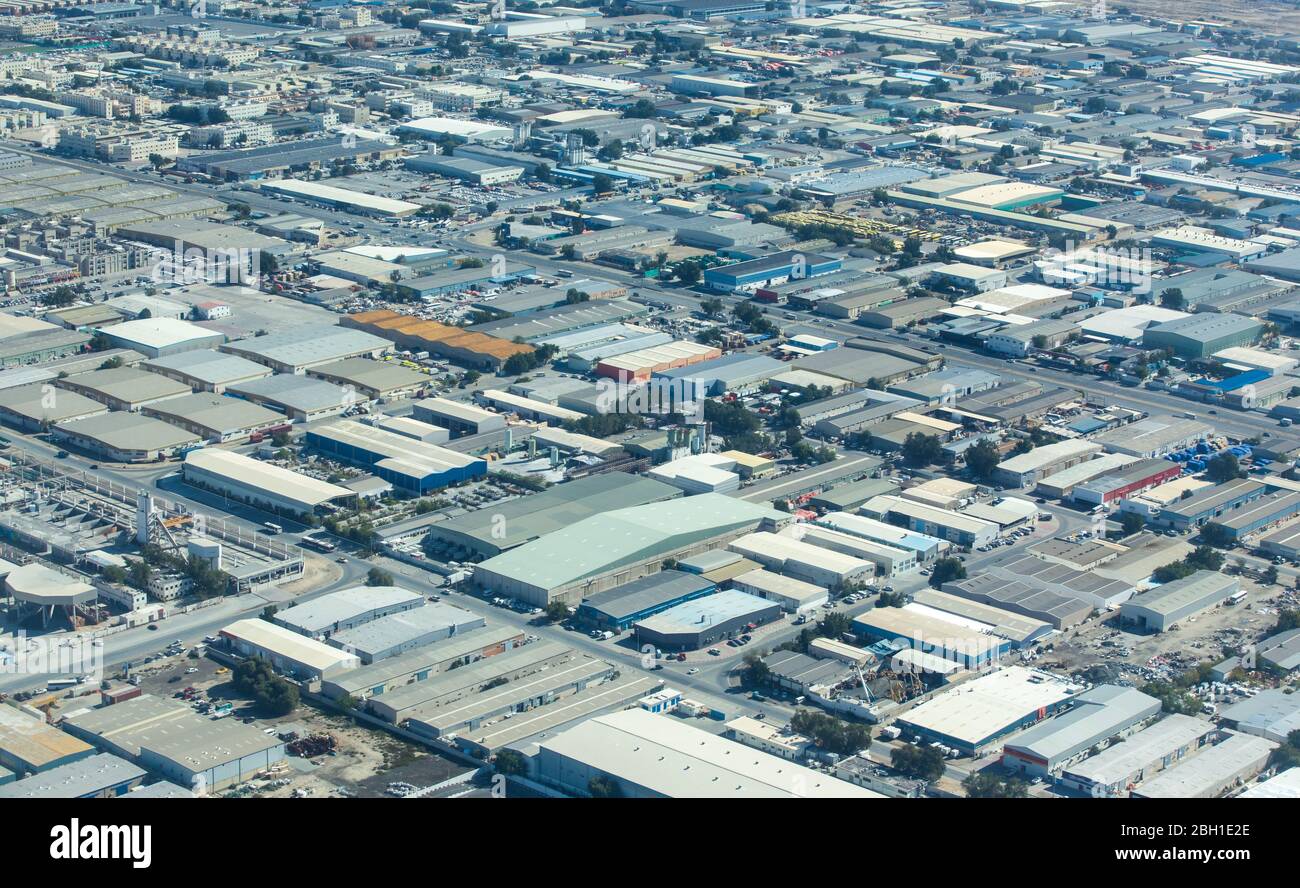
[260, 484]
[699, 473]
[640, 364]
[1213, 772]
[1117, 768]
[461, 419]
[1201, 335]
[489, 532]
[495, 701]
[124, 388]
[794, 596]
[1026, 468]
[962, 530]
[214, 418]
[412, 466]
[101, 776]
[398, 671]
[526, 408]
[797, 673]
[738, 372]
[1280, 653]
[1154, 436]
[1208, 503]
[1166, 606]
[457, 684]
[1045, 575]
[207, 370]
[1285, 785]
[802, 560]
[270, 160]
[618, 546]
[1021, 631]
[847, 497]
[1282, 543]
[123, 437]
[372, 379]
[617, 609]
[341, 198]
[300, 398]
[38, 406]
[888, 560]
[1272, 714]
[289, 652]
[29, 746]
[1060, 611]
[397, 633]
[1062, 484]
[160, 337]
[169, 738]
[653, 756]
[335, 612]
[308, 346]
[413, 428]
[1101, 715]
[1130, 480]
[474, 171]
[706, 621]
[1261, 514]
[973, 716]
[926, 548]
[768, 270]
[920, 628]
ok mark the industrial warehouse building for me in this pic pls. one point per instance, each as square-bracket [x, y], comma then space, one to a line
[207, 370]
[654, 756]
[460, 419]
[30, 746]
[706, 621]
[1201, 335]
[925, 630]
[412, 466]
[955, 527]
[1168, 605]
[214, 418]
[1015, 628]
[975, 715]
[618, 546]
[169, 738]
[102, 776]
[299, 398]
[525, 519]
[470, 348]
[398, 671]
[617, 609]
[926, 548]
[260, 484]
[326, 615]
[37, 406]
[1154, 436]
[124, 388]
[803, 560]
[794, 596]
[289, 652]
[159, 337]
[298, 350]
[399, 632]
[1027, 468]
[1098, 716]
[123, 437]
[1261, 514]
[1206, 504]
[372, 379]
[1212, 772]
[1115, 769]
[1272, 714]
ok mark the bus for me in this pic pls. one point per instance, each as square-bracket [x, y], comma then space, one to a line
[1236, 598]
[272, 528]
[316, 543]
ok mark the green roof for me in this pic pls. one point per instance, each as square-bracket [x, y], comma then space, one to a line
[601, 543]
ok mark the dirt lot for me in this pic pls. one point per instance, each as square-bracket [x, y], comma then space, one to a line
[1270, 17]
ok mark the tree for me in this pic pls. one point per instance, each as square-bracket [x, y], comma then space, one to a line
[1287, 620]
[756, 672]
[601, 183]
[1223, 467]
[918, 762]
[920, 449]
[835, 624]
[982, 458]
[510, 763]
[377, 576]
[1173, 298]
[1131, 522]
[256, 677]
[947, 570]
[983, 785]
[830, 733]
[1270, 575]
[689, 273]
[557, 611]
[1215, 534]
